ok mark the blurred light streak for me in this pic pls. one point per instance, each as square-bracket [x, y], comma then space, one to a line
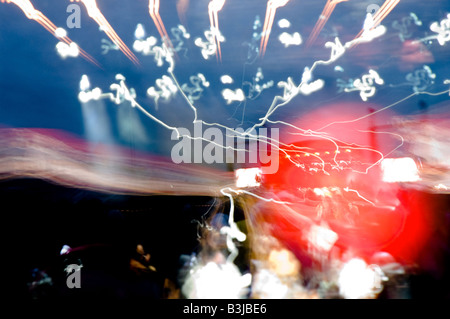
[31, 13]
[61, 158]
[95, 13]
[182, 7]
[213, 8]
[272, 6]
[323, 18]
[379, 16]
[153, 8]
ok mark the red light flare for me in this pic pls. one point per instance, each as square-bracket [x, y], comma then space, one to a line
[365, 212]
[31, 13]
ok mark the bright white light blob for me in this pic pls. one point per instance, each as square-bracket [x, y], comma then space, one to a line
[322, 238]
[65, 249]
[288, 39]
[357, 280]
[284, 24]
[231, 96]
[139, 33]
[216, 281]
[84, 83]
[226, 79]
[267, 285]
[67, 50]
[248, 177]
[60, 33]
[86, 96]
[402, 169]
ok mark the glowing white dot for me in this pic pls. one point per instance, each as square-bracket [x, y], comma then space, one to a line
[60, 33]
[290, 39]
[284, 23]
[138, 46]
[84, 83]
[65, 50]
[230, 95]
[248, 177]
[139, 33]
[226, 79]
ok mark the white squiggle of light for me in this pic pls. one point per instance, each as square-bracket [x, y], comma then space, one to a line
[290, 89]
[180, 34]
[288, 39]
[342, 85]
[366, 85]
[122, 92]
[195, 91]
[67, 50]
[421, 79]
[108, 45]
[160, 53]
[232, 231]
[442, 29]
[404, 24]
[167, 89]
[337, 50]
[253, 47]
[233, 96]
[358, 194]
[255, 88]
[209, 47]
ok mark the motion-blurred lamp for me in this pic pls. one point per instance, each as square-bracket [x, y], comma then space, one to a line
[248, 177]
[402, 169]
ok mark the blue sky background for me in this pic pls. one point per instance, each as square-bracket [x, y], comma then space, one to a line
[39, 89]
